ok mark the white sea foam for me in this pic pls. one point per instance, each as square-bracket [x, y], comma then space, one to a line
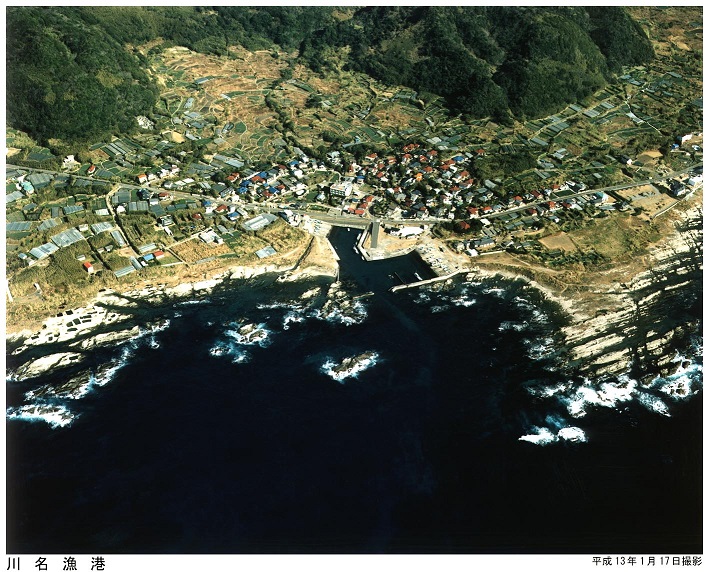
[438, 309]
[545, 436]
[542, 436]
[653, 403]
[608, 394]
[551, 390]
[237, 354]
[498, 292]
[355, 314]
[516, 326]
[422, 298]
[54, 415]
[684, 383]
[278, 306]
[464, 301]
[193, 302]
[539, 348]
[107, 373]
[574, 434]
[292, 317]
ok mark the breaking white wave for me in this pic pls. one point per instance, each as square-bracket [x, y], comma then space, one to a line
[54, 415]
[438, 309]
[574, 434]
[684, 383]
[536, 315]
[292, 318]
[653, 403]
[539, 348]
[193, 302]
[278, 306]
[607, 394]
[349, 367]
[495, 291]
[545, 436]
[232, 350]
[551, 390]
[356, 313]
[106, 373]
[516, 326]
[464, 301]
[542, 436]
[422, 298]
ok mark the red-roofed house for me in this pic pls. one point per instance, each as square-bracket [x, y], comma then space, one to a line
[88, 267]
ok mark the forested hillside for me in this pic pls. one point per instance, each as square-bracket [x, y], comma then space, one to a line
[488, 60]
[67, 79]
[72, 75]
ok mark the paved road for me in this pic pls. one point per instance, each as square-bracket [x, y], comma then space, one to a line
[593, 191]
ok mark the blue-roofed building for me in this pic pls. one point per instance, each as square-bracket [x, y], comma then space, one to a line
[458, 158]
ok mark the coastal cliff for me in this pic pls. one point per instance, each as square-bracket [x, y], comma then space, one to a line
[634, 317]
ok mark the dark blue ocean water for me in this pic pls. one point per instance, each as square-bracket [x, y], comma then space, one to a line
[201, 443]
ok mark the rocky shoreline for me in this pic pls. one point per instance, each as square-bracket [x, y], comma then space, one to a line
[81, 326]
[636, 326]
[619, 329]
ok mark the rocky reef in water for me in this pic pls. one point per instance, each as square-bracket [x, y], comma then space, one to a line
[350, 366]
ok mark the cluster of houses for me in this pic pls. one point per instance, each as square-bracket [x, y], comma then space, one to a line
[419, 184]
[681, 187]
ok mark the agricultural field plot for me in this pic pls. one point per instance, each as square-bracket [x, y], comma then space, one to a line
[195, 249]
[235, 77]
[40, 154]
[560, 241]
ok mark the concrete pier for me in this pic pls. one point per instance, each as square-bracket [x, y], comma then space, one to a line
[429, 281]
[375, 233]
